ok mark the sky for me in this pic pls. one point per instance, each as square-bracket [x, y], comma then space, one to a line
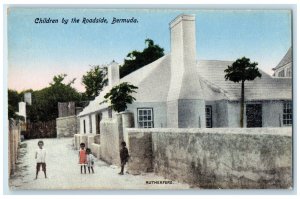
[38, 51]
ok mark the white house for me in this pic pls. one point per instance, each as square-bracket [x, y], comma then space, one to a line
[178, 91]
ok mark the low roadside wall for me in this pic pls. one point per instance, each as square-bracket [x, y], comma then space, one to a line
[140, 151]
[14, 143]
[110, 139]
[66, 126]
[216, 158]
[88, 140]
[96, 150]
[80, 138]
[112, 134]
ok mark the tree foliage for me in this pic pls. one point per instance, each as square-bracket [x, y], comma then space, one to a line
[120, 95]
[240, 71]
[13, 103]
[94, 81]
[137, 59]
[45, 101]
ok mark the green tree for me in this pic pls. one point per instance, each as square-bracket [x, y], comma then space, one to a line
[13, 103]
[136, 59]
[94, 81]
[120, 95]
[240, 71]
[45, 101]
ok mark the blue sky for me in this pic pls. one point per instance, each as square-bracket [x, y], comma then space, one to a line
[37, 52]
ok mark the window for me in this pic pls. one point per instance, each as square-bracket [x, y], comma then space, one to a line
[288, 72]
[84, 131]
[281, 73]
[90, 122]
[145, 117]
[287, 114]
[208, 115]
[109, 112]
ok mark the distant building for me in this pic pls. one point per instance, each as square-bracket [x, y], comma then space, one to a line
[67, 123]
[22, 110]
[66, 109]
[177, 91]
[284, 68]
[27, 98]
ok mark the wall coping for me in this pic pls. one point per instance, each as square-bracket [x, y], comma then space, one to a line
[67, 117]
[86, 135]
[280, 131]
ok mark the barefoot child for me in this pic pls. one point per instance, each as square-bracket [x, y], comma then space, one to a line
[40, 156]
[124, 156]
[82, 157]
[90, 160]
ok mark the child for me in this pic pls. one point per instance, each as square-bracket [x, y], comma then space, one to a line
[40, 156]
[82, 157]
[124, 156]
[90, 160]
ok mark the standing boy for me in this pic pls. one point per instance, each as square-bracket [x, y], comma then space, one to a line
[40, 156]
[124, 156]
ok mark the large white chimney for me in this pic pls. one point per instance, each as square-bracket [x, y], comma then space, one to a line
[185, 104]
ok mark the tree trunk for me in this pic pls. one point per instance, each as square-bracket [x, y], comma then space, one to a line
[242, 106]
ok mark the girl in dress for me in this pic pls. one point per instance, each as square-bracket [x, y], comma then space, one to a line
[82, 157]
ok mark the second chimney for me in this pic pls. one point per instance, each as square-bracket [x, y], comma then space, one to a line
[113, 73]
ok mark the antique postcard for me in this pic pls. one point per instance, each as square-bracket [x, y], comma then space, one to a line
[148, 99]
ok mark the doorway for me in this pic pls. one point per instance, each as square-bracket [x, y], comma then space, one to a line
[254, 115]
[98, 119]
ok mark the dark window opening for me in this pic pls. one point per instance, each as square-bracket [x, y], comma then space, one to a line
[84, 129]
[254, 115]
[98, 119]
[208, 115]
[287, 114]
[109, 113]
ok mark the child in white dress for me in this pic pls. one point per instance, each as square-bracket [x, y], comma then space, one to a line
[90, 160]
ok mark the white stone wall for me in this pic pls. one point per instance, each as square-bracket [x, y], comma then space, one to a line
[219, 113]
[215, 158]
[172, 114]
[272, 112]
[233, 114]
[14, 144]
[104, 114]
[111, 133]
[191, 113]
